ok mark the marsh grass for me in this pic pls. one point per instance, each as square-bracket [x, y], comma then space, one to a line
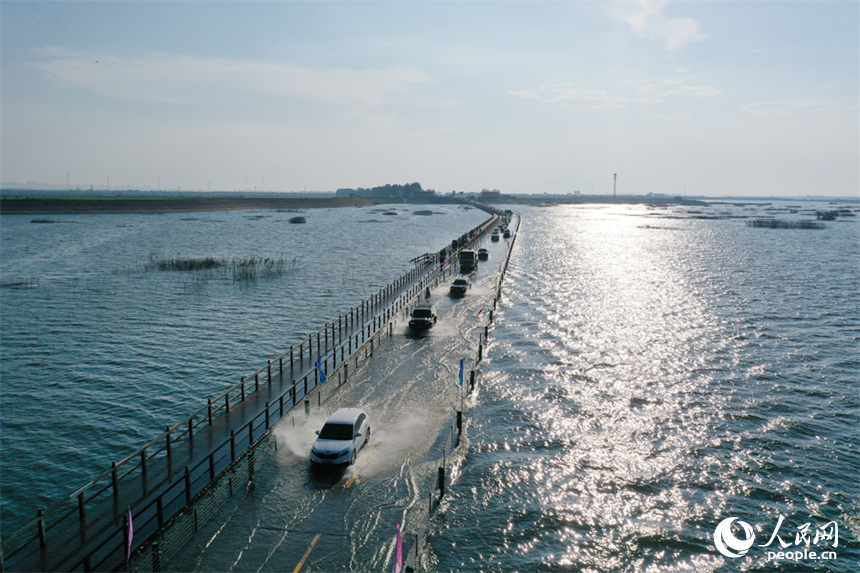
[237, 269]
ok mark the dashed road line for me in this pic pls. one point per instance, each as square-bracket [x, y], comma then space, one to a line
[307, 553]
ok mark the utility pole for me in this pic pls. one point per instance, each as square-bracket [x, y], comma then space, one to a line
[614, 182]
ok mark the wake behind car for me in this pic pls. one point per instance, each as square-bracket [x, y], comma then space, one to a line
[345, 433]
[459, 287]
[423, 318]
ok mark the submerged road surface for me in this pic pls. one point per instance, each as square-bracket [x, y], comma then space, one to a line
[297, 518]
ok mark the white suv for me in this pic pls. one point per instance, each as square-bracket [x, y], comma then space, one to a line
[342, 437]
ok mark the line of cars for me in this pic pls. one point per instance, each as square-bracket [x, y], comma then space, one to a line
[347, 431]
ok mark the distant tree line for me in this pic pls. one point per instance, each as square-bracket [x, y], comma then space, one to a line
[388, 191]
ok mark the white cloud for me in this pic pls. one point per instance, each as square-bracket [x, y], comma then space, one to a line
[647, 21]
[168, 78]
[787, 108]
[647, 94]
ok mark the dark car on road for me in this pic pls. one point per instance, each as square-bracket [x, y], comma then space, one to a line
[459, 287]
[423, 318]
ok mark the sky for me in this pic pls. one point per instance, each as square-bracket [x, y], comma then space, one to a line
[698, 97]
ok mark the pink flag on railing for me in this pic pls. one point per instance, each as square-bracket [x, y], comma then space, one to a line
[398, 552]
[129, 537]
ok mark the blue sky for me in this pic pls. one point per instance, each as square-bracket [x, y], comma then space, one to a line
[718, 98]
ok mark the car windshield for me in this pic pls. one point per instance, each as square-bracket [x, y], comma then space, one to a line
[421, 313]
[460, 282]
[336, 432]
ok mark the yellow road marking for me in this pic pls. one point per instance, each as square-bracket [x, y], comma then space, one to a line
[405, 392]
[307, 553]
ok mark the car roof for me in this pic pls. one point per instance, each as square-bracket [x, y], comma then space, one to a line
[345, 416]
[460, 280]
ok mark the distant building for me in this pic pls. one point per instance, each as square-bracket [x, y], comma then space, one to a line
[490, 195]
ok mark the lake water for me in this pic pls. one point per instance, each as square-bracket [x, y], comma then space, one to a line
[100, 351]
[651, 372]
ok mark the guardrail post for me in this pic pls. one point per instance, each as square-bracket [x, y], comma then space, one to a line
[156, 557]
[212, 467]
[143, 464]
[159, 510]
[191, 431]
[242, 388]
[187, 486]
[251, 465]
[267, 415]
[232, 445]
[169, 453]
[291, 358]
[281, 404]
[114, 480]
[82, 512]
[270, 371]
[442, 482]
[227, 402]
[256, 381]
[209, 409]
[42, 542]
[281, 366]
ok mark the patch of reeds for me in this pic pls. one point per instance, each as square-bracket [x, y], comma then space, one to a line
[423, 212]
[186, 264]
[780, 224]
[237, 269]
[298, 220]
[257, 268]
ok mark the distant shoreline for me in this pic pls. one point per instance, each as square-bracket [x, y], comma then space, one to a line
[96, 204]
[104, 205]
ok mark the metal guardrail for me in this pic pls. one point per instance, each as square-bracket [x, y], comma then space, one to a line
[362, 321]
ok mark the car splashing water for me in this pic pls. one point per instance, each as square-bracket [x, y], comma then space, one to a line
[114, 326]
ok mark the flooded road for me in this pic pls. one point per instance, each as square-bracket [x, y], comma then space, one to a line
[298, 518]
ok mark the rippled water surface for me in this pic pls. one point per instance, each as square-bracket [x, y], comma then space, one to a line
[100, 352]
[652, 373]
